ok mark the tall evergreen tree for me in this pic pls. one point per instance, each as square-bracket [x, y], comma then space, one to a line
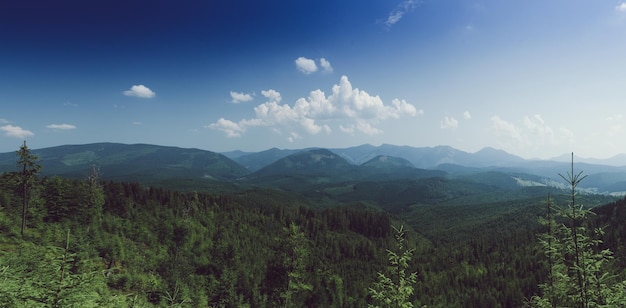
[396, 287]
[579, 271]
[295, 263]
[29, 168]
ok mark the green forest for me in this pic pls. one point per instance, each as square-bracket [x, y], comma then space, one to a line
[89, 242]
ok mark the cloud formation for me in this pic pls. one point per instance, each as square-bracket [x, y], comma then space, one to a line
[467, 115]
[306, 66]
[61, 126]
[399, 11]
[16, 131]
[533, 134]
[240, 97]
[326, 65]
[140, 91]
[272, 95]
[621, 7]
[449, 122]
[350, 109]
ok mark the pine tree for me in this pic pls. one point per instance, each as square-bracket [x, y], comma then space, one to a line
[579, 275]
[52, 276]
[295, 263]
[395, 288]
[28, 163]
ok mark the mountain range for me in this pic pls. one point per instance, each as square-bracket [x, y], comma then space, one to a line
[152, 164]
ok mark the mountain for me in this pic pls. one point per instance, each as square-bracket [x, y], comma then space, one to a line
[137, 162]
[256, 161]
[384, 162]
[317, 162]
[151, 164]
[494, 157]
[419, 157]
[384, 168]
[618, 160]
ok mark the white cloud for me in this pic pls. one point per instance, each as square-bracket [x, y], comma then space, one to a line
[347, 130]
[16, 131]
[350, 109]
[404, 108]
[621, 7]
[467, 115]
[449, 122]
[367, 128]
[229, 127]
[532, 135]
[70, 104]
[240, 97]
[326, 65]
[137, 123]
[272, 95]
[538, 130]
[4, 121]
[306, 66]
[140, 91]
[506, 129]
[61, 126]
[399, 11]
[293, 136]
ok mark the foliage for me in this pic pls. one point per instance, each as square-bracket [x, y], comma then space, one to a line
[579, 271]
[296, 267]
[51, 276]
[29, 167]
[473, 245]
[395, 288]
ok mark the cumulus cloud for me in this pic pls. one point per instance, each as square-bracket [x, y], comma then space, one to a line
[467, 115]
[229, 127]
[532, 133]
[326, 65]
[16, 131]
[506, 129]
[399, 11]
[449, 122]
[306, 66]
[538, 128]
[61, 126]
[272, 95]
[351, 109]
[240, 97]
[140, 91]
[621, 7]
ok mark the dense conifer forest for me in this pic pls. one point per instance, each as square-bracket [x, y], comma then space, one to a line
[94, 243]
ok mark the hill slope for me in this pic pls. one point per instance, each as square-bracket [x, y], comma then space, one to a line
[137, 162]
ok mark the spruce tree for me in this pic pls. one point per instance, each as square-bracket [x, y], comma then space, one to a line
[295, 262]
[29, 168]
[579, 272]
[394, 288]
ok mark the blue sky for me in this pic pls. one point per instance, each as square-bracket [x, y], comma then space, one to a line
[535, 78]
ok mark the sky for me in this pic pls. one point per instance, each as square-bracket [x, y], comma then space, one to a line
[535, 78]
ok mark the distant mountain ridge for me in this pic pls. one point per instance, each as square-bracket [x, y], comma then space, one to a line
[136, 162]
[151, 164]
[422, 157]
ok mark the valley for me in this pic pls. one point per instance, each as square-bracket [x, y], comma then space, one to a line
[219, 229]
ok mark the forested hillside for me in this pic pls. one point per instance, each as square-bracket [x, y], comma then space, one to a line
[91, 243]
